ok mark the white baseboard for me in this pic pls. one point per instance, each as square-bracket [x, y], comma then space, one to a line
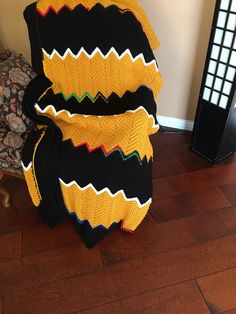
[175, 123]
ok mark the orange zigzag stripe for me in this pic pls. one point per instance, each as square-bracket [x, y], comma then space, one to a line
[57, 11]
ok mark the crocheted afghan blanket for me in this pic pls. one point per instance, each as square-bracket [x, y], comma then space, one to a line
[93, 102]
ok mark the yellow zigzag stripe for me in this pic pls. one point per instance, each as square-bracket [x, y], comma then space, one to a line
[92, 75]
[131, 5]
[30, 176]
[31, 184]
[98, 51]
[103, 208]
[129, 130]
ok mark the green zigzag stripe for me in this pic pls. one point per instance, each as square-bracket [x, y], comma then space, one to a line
[125, 157]
[107, 153]
[86, 94]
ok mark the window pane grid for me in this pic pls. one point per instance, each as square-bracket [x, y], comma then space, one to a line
[213, 92]
[230, 8]
[233, 6]
[225, 28]
[227, 85]
[224, 5]
[227, 11]
[225, 63]
[221, 66]
[226, 47]
[219, 91]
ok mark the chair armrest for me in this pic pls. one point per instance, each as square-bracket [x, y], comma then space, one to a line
[3, 191]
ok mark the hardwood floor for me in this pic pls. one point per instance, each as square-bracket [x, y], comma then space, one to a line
[181, 259]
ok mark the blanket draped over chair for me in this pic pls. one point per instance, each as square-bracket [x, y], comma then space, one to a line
[94, 104]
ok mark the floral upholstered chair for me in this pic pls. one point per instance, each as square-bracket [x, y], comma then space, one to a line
[15, 75]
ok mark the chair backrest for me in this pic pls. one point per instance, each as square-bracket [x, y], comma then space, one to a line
[15, 75]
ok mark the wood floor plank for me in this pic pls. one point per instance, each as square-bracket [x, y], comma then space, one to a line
[14, 219]
[48, 266]
[125, 279]
[171, 186]
[184, 298]
[228, 160]
[230, 192]
[219, 290]
[167, 145]
[214, 176]
[57, 274]
[193, 162]
[164, 168]
[21, 214]
[13, 184]
[213, 224]
[1, 309]
[42, 238]
[190, 181]
[231, 311]
[170, 139]
[10, 246]
[150, 238]
[195, 202]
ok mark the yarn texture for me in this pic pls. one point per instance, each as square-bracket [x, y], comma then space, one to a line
[93, 102]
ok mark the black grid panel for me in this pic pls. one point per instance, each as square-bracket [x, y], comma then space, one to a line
[219, 78]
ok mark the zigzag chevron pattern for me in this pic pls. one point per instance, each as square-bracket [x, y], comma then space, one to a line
[26, 168]
[86, 94]
[129, 130]
[99, 95]
[143, 96]
[94, 103]
[80, 99]
[108, 153]
[119, 32]
[88, 203]
[44, 6]
[98, 51]
[112, 171]
[106, 190]
[110, 73]
[85, 221]
[71, 115]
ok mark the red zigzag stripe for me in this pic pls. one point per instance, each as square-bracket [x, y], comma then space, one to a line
[69, 8]
[106, 152]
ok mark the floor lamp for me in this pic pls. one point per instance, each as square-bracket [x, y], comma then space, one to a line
[214, 132]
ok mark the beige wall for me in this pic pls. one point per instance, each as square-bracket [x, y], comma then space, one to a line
[13, 31]
[183, 28]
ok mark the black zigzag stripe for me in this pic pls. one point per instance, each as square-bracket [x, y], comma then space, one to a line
[114, 105]
[99, 27]
[112, 171]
